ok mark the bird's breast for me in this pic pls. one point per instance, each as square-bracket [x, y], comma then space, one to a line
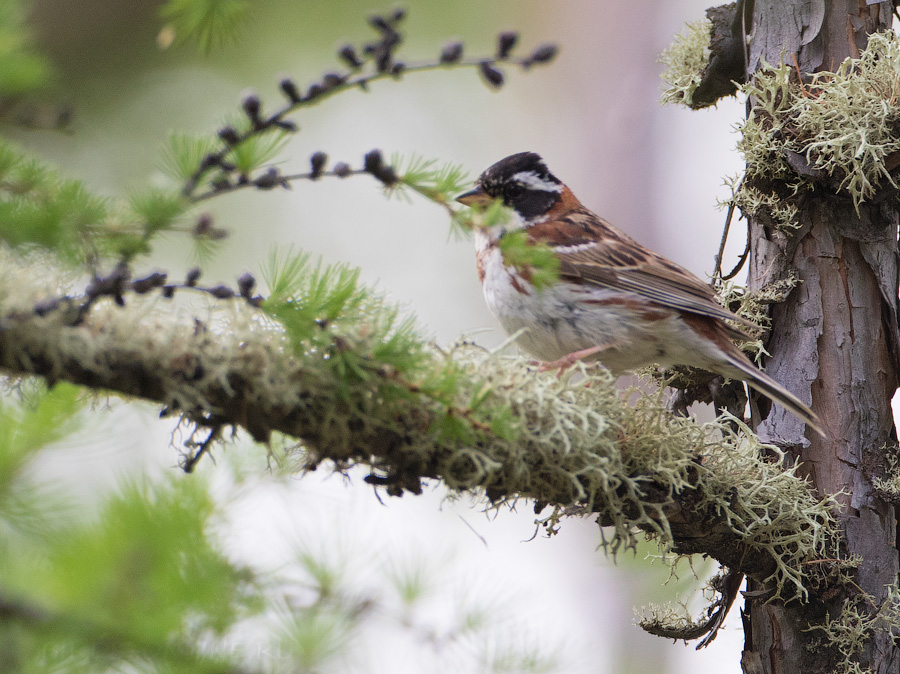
[567, 317]
[553, 321]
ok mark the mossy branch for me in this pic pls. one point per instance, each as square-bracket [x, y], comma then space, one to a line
[706, 63]
[473, 420]
[836, 133]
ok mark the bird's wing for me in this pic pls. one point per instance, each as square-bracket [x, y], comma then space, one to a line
[592, 251]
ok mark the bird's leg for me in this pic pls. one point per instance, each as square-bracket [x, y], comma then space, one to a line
[567, 361]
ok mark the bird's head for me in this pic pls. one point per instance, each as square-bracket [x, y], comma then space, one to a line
[522, 181]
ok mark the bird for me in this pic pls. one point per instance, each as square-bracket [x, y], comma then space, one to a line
[614, 301]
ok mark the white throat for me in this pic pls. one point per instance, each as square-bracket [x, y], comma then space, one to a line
[485, 236]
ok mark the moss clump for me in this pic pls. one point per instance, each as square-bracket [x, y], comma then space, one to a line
[888, 483]
[472, 419]
[776, 210]
[852, 630]
[671, 618]
[841, 129]
[752, 305]
[629, 462]
[685, 60]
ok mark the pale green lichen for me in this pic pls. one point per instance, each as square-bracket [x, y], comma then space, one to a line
[671, 617]
[840, 129]
[685, 60]
[771, 209]
[493, 425]
[779, 497]
[842, 125]
[754, 307]
[852, 630]
[888, 484]
[674, 619]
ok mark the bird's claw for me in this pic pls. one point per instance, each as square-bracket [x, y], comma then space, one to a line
[567, 361]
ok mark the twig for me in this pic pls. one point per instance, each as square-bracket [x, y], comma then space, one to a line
[282, 180]
[107, 639]
[742, 260]
[381, 55]
[717, 271]
[191, 462]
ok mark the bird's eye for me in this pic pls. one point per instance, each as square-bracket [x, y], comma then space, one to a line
[513, 190]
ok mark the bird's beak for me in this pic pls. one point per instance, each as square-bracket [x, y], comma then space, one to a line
[475, 197]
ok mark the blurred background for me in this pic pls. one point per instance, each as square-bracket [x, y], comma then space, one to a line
[594, 116]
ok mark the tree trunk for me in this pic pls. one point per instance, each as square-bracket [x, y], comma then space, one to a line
[834, 344]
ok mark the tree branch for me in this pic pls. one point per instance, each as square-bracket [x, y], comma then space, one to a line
[503, 429]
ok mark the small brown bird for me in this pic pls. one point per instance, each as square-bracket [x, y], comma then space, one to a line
[615, 301]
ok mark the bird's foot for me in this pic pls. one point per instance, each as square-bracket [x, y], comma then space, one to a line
[567, 361]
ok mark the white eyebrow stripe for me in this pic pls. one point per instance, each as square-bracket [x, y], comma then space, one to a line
[577, 248]
[529, 179]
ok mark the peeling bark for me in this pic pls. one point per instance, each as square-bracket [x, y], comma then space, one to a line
[785, 28]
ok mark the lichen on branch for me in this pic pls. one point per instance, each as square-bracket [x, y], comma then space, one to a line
[358, 386]
[684, 61]
[834, 130]
[707, 62]
[840, 129]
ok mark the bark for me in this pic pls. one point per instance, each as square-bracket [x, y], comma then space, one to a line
[834, 344]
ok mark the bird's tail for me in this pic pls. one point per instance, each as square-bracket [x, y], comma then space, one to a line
[770, 388]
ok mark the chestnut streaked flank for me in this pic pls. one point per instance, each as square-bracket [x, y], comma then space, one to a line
[616, 301]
